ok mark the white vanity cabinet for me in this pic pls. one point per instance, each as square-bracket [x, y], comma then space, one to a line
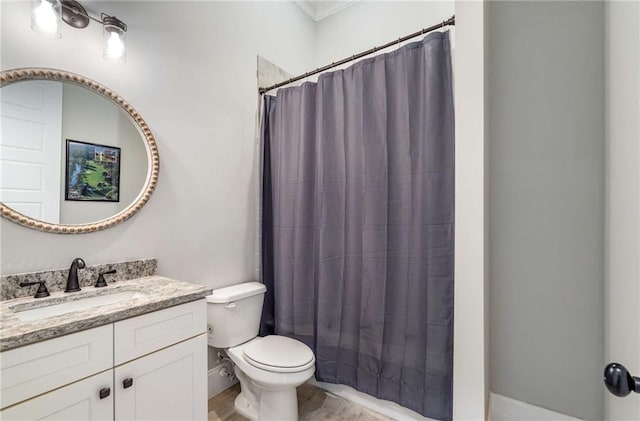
[149, 367]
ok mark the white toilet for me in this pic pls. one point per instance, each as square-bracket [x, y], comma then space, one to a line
[269, 368]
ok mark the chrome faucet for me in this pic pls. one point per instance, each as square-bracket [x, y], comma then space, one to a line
[72, 279]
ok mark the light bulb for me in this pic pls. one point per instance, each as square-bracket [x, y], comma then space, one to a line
[114, 35]
[115, 47]
[45, 18]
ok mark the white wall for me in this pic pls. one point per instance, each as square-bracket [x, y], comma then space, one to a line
[622, 294]
[546, 139]
[471, 342]
[372, 23]
[191, 73]
[89, 117]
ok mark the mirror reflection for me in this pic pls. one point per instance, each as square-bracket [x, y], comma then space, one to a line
[68, 155]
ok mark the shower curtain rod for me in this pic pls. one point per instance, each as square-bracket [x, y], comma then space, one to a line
[449, 22]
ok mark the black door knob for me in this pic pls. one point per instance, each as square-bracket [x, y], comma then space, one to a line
[105, 392]
[619, 381]
[127, 383]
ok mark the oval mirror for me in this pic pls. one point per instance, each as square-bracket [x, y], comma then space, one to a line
[74, 156]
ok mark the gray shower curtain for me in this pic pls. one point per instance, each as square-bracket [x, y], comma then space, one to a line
[358, 219]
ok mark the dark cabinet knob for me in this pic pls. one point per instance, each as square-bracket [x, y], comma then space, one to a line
[127, 383]
[618, 380]
[105, 392]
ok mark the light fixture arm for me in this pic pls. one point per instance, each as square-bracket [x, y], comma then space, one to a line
[78, 17]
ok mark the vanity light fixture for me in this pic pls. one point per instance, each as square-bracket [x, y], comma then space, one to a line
[46, 17]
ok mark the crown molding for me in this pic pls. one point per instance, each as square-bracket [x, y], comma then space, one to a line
[318, 10]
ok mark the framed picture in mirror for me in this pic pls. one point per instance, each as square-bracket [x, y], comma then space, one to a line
[92, 172]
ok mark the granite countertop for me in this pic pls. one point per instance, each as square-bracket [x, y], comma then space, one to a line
[159, 292]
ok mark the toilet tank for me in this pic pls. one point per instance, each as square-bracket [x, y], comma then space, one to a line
[233, 314]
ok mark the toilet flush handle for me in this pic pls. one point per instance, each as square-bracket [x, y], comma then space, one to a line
[230, 306]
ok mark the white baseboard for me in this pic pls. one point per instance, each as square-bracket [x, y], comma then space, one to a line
[217, 383]
[502, 408]
[386, 408]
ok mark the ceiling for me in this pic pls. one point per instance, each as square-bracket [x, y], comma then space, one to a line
[320, 9]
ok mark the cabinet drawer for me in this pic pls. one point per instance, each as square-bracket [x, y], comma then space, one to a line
[80, 401]
[43, 366]
[144, 334]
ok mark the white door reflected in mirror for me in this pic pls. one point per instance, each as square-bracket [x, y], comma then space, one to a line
[30, 146]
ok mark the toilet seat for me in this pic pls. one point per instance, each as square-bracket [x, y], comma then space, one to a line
[278, 354]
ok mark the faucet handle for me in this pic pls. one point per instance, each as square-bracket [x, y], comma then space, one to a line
[42, 288]
[101, 282]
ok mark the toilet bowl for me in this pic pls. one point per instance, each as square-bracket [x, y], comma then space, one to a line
[269, 368]
[268, 385]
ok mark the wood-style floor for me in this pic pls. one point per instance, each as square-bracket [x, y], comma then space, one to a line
[314, 404]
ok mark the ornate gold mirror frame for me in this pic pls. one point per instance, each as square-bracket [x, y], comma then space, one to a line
[8, 77]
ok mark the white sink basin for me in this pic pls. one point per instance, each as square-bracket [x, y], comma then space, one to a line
[76, 305]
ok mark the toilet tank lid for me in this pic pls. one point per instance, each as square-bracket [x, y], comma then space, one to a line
[236, 292]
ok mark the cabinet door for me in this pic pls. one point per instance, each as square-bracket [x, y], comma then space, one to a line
[80, 401]
[34, 369]
[170, 384]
